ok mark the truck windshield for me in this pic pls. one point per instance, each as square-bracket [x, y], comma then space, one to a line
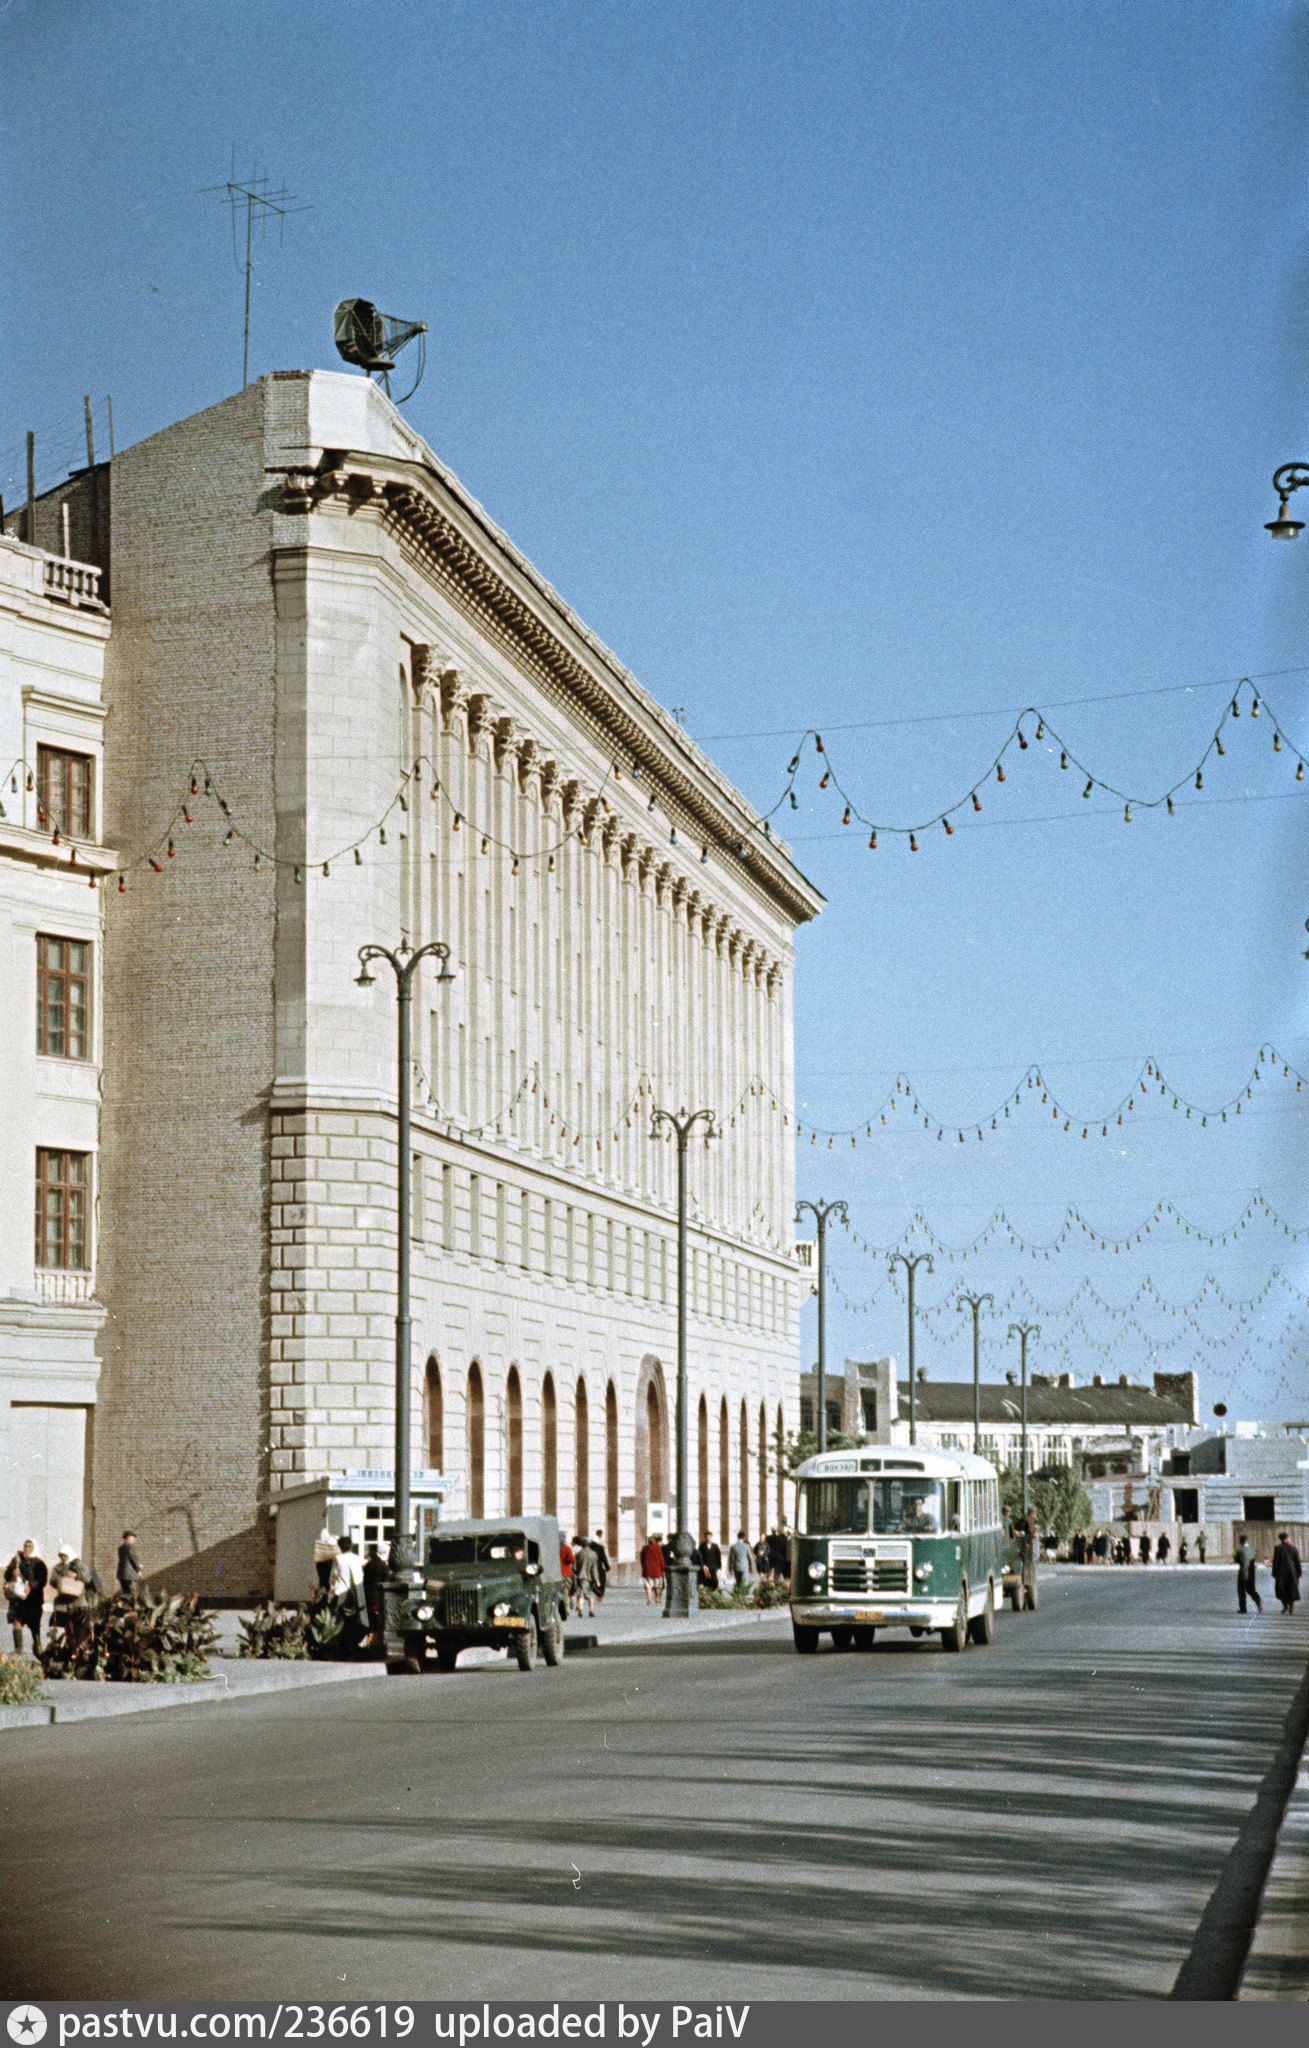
[832, 1507]
[498, 1548]
[907, 1507]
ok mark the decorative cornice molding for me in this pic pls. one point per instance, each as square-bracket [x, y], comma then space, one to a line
[508, 596]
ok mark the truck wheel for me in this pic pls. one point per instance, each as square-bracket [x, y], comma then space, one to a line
[982, 1626]
[526, 1645]
[863, 1638]
[446, 1656]
[842, 1636]
[806, 1639]
[552, 1640]
[956, 1636]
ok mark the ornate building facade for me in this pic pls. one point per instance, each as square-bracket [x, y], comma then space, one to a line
[356, 713]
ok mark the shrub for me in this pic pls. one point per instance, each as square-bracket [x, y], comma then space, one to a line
[140, 1640]
[20, 1682]
[274, 1632]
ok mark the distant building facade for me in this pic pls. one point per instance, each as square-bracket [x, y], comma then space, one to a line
[53, 630]
[416, 739]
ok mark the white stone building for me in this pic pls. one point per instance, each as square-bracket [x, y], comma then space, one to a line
[415, 738]
[53, 630]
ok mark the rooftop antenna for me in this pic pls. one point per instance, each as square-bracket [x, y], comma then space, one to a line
[372, 341]
[260, 204]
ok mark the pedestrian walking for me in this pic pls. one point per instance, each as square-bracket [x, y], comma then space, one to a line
[601, 1560]
[1164, 1547]
[1079, 1548]
[1183, 1552]
[652, 1570]
[763, 1557]
[567, 1568]
[740, 1560]
[1286, 1572]
[325, 1556]
[1200, 1545]
[130, 1575]
[25, 1582]
[1245, 1571]
[374, 1577]
[76, 1584]
[713, 1558]
[586, 1574]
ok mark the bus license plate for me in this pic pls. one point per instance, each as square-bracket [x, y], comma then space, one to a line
[869, 1614]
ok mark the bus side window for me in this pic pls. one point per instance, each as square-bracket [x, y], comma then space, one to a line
[954, 1521]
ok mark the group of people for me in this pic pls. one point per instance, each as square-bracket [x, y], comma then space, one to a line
[1098, 1548]
[69, 1584]
[1286, 1569]
[585, 1566]
[768, 1559]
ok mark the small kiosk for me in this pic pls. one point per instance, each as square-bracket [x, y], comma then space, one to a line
[358, 1504]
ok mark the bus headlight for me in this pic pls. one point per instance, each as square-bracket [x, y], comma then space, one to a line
[922, 1573]
[817, 1571]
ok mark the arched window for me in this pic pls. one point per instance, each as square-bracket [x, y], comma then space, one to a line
[763, 1469]
[611, 1470]
[781, 1469]
[549, 1448]
[433, 1419]
[745, 1469]
[703, 1467]
[654, 1429]
[582, 1457]
[476, 1443]
[514, 1417]
[724, 1501]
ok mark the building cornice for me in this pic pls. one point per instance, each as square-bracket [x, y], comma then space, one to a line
[78, 859]
[451, 540]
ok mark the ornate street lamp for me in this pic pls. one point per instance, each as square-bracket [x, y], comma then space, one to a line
[911, 1266]
[404, 964]
[1023, 1331]
[974, 1302]
[820, 1211]
[1290, 477]
[680, 1600]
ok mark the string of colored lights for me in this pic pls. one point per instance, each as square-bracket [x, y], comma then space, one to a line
[904, 1094]
[1000, 1226]
[1017, 739]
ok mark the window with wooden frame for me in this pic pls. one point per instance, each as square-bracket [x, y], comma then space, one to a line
[62, 1185]
[63, 998]
[65, 791]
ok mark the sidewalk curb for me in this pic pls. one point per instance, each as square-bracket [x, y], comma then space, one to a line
[101, 1704]
[700, 1629]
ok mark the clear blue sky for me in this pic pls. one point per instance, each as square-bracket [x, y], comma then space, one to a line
[880, 367]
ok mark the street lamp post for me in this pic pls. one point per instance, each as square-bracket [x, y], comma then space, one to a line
[820, 1211]
[911, 1266]
[680, 1599]
[974, 1302]
[1023, 1331]
[1292, 476]
[405, 964]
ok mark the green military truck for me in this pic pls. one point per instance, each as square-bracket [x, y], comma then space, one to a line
[495, 1583]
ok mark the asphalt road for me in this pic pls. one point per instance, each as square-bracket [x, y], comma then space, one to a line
[1046, 1818]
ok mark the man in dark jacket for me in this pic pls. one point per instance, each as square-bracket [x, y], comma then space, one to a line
[131, 1578]
[602, 1561]
[26, 1570]
[1286, 1572]
[1245, 1571]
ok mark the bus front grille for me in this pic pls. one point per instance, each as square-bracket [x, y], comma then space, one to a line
[870, 1575]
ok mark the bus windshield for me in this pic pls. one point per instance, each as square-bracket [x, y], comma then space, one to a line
[833, 1507]
[907, 1507]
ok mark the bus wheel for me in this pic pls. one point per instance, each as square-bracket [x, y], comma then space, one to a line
[982, 1626]
[863, 1638]
[806, 1639]
[842, 1636]
[956, 1636]
[1032, 1597]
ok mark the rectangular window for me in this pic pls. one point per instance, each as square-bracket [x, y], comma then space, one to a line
[416, 1196]
[448, 1207]
[525, 1232]
[63, 1014]
[646, 1264]
[501, 1222]
[631, 1262]
[547, 1237]
[64, 791]
[463, 1072]
[62, 1180]
[475, 1215]
[568, 1240]
[513, 951]
[590, 1251]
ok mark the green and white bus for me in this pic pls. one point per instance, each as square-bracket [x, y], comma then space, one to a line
[889, 1538]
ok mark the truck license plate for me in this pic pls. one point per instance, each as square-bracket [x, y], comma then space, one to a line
[869, 1614]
